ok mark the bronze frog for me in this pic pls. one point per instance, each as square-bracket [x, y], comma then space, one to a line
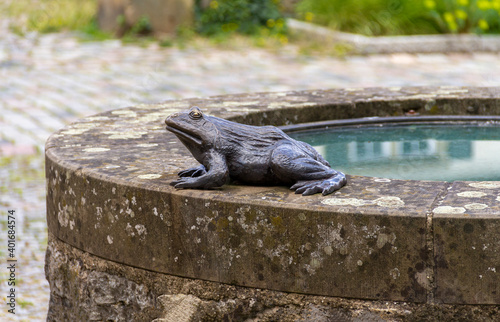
[262, 155]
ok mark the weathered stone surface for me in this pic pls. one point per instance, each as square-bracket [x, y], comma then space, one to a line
[467, 245]
[161, 297]
[108, 194]
[179, 307]
[84, 294]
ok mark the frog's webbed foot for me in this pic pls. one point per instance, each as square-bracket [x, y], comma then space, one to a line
[325, 186]
[193, 172]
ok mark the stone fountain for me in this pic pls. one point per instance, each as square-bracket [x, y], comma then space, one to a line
[125, 245]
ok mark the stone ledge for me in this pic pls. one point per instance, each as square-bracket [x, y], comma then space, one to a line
[74, 274]
[108, 194]
[399, 44]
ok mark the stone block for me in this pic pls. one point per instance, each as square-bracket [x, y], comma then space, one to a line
[467, 247]
[73, 274]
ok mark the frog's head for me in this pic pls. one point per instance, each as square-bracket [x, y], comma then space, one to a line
[194, 129]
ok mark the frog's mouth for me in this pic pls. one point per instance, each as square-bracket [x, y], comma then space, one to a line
[182, 134]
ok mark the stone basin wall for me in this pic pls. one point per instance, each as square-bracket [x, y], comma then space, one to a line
[124, 245]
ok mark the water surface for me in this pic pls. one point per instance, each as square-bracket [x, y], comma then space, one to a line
[469, 152]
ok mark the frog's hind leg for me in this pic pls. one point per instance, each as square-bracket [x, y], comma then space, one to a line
[309, 174]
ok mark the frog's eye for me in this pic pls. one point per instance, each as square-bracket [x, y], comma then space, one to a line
[195, 114]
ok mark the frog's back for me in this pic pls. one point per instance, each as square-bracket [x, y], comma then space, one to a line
[248, 149]
[248, 137]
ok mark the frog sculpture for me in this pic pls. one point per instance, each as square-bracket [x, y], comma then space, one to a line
[261, 155]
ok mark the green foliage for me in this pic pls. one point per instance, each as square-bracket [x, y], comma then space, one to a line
[220, 20]
[243, 16]
[139, 33]
[368, 17]
[465, 16]
[51, 15]
[142, 27]
[398, 17]
[92, 32]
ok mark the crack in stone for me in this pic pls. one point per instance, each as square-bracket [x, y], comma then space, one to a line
[430, 243]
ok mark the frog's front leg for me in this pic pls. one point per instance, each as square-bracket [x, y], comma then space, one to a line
[309, 175]
[211, 175]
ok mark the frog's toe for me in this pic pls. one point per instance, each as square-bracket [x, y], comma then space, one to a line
[334, 183]
[306, 187]
[298, 184]
[312, 191]
[326, 186]
[185, 173]
[174, 183]
[331, 188]
[315, 187]
[193, 172]
[182, 183]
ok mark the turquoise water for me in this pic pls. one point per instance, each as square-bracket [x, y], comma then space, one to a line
[418, 152]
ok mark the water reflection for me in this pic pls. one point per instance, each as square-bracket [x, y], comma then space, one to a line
[422, 152]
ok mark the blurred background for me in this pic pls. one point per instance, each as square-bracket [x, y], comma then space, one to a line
[61, 60]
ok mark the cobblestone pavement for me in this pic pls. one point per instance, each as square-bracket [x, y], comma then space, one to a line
[48, 81]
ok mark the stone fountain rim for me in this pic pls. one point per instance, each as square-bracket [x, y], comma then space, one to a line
[357, 99]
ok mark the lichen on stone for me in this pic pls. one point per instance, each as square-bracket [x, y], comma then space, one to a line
[125, 113]
[74, 131]
[114, 135]
[96, 149]
[344, 202]
[149, 176]
[386, 202]
[485, 184]
[389, 202]
[449, 210]
[472, 194]
[476, 206]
